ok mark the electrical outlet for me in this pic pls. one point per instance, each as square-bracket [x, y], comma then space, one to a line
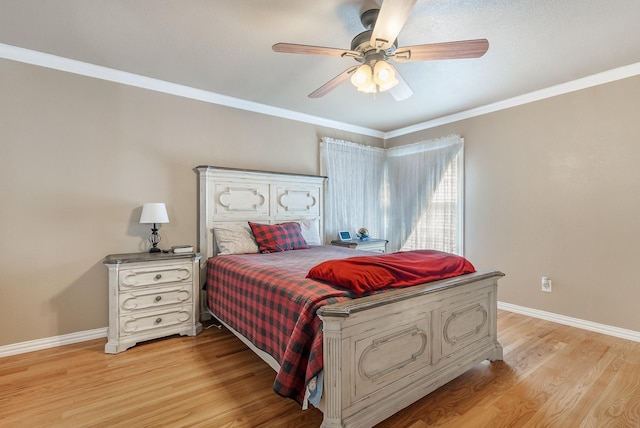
[546, 284]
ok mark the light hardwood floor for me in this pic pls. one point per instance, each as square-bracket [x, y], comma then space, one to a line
[551, 376]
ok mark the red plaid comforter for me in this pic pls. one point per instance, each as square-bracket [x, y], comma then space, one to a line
[267, 298]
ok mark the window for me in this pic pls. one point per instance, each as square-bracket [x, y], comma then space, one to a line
[440, 227]
[410, 195]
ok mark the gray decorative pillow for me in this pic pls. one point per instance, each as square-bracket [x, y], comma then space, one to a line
[234, 239]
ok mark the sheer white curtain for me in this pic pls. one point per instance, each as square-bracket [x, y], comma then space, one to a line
[441, 225]
[355, 189]
[413, 174]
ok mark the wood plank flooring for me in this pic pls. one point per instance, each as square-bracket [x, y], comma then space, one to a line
[551, 376]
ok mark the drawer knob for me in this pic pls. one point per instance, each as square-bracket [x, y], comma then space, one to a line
[158, 276]
[158, 320]
[158, 298]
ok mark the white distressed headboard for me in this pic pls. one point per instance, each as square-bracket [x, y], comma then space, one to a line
[228, 195]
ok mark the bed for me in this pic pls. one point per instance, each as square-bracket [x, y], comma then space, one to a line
[381, 352]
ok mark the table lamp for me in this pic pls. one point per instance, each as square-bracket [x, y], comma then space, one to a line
[154, 213]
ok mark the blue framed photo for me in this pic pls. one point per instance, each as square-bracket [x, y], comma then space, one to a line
[344, 235]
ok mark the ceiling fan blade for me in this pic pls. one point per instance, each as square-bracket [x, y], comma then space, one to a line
[314, 50]
[401, 91]
[333, 83]
[392, 16]
[447, 50]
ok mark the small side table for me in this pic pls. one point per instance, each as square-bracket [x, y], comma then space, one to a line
[374, 245]
[151, 295]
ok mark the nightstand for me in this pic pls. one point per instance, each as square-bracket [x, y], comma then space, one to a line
[375, 245]
[151, 295]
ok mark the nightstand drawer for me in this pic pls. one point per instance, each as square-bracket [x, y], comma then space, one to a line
[154, 275]
[145, 321]
[154, 297]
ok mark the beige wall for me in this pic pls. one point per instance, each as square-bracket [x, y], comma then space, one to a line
[79, 157]
[553, 189]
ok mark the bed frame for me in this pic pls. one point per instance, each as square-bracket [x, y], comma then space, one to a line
[383, 352]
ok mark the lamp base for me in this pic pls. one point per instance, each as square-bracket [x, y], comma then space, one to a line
[154, 239]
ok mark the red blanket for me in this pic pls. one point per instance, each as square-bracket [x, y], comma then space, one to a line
[365, 274]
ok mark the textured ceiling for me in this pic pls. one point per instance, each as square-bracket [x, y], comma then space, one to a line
[224, 46]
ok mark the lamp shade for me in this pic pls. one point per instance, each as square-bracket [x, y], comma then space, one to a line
[154, 212]
[363, 79]
[384, 76]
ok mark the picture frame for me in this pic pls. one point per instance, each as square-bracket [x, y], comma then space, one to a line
[344, 235]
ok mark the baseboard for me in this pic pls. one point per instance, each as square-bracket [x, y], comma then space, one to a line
[67, 339]
[52, 342]
[573, 322]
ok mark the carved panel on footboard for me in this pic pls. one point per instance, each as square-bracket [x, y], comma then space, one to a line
[392, 352]
[464, 324]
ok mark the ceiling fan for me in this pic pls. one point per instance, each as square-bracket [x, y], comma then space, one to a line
[375, 46]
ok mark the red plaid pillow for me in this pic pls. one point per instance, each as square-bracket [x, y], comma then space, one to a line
[272, 238]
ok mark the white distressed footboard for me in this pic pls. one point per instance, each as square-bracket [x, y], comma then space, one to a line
[382, 353]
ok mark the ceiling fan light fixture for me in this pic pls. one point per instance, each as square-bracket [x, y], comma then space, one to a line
[384, 76]
[363, 78]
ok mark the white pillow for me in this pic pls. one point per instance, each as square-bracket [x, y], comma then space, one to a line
[234, 239]
[310, 230]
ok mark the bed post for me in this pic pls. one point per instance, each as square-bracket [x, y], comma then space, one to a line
[332, 357]
[497, 353]
[204, 245]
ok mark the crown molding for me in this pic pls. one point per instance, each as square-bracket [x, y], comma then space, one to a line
[42, 59]
[563, 88]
